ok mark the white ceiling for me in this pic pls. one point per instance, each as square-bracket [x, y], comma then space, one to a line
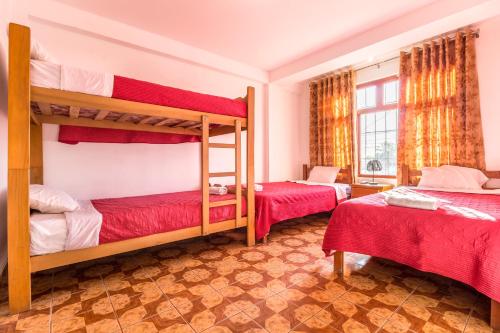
[263, 33]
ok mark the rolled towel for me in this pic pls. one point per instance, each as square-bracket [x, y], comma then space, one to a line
[412, 201]
[217, 190]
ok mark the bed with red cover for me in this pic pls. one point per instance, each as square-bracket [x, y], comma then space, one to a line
[460, 240]
[130, 217]
[281, 201]
[151, 93]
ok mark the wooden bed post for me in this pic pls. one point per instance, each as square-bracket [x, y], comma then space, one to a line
[250, 167]
[18, 210]
[237, 156]
[338, 263]
[305, 171]
[205, 206]
[36, 154]
[495, 316]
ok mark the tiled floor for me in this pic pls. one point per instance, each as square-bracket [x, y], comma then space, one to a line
[217, 284]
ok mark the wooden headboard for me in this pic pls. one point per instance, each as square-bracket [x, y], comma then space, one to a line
[411, 176]
[345, 175]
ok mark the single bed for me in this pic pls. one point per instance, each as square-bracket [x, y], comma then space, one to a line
[280, 201]
[460, 240]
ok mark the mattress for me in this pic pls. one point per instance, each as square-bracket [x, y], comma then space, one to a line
[49, 75]
[279, 201]
[125, 218]
[460, 240]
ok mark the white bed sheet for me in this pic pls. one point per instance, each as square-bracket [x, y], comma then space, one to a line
[62, 232]
[55, 76]
[342, 190]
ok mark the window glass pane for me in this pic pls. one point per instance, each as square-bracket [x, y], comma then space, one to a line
[380, 121]
[363, 162]
[371, 97]
[391, 120]
[362, 123]
[378, 130]
[360, 99]
[391, 92]
[380, 145]
[370, 122]
[370, 146]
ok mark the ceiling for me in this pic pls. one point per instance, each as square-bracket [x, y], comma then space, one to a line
[263, 33]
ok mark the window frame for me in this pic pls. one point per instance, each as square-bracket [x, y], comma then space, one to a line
[379, 106]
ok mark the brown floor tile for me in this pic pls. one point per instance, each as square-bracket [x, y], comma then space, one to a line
[202, 315]
[218, 284]
[239, 323]
[346, 317]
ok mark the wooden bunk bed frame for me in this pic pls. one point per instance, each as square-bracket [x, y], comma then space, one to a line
[30, 107]
[409, 178]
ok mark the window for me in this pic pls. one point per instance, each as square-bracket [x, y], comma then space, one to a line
[377, 105]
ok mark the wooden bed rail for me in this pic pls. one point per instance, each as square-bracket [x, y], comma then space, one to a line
[345, 174]
[30, 107]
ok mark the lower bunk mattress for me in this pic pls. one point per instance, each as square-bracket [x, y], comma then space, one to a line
[109, 220]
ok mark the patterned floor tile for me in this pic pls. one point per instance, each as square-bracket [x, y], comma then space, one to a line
[218, 284]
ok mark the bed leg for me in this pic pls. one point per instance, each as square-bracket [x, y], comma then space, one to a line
[264, 240]
[495, 316]
[338, 263]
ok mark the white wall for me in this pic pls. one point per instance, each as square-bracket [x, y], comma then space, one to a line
[488, 66]
[285, 125]
[5, 17]
[90, 170]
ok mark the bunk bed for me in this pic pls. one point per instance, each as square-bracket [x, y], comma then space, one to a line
[30, 106]
[459, 240]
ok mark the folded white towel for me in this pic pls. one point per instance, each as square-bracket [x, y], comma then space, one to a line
[217, 190]
[412, 201]
[258, 187]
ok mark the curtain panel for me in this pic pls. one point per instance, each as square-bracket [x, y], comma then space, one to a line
[331, 139]
[439, 111]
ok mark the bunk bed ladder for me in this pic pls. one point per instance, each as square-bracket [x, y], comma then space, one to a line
[206, 174]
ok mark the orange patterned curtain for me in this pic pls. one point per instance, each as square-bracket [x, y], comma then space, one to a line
[439, 113]
[331, 121]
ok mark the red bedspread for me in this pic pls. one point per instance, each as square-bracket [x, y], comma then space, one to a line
[125, 218]
[461, 240]
[286, 200]
[146, 92]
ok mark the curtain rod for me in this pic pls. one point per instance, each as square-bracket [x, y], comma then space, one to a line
[449, 34]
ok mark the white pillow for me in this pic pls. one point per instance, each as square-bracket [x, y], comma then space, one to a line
[452, 177]
[322, 174]
[469, 174]
[49, 200]
[38, 52]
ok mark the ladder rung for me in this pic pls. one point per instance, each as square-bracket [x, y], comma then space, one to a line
[221, 145]
[222, 174]
[223, 203]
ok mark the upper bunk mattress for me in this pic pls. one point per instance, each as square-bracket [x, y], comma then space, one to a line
[49, 75]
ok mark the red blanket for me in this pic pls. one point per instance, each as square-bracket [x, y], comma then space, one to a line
[286, 200]
[125, 218]
[146, 92]
[461, 240]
